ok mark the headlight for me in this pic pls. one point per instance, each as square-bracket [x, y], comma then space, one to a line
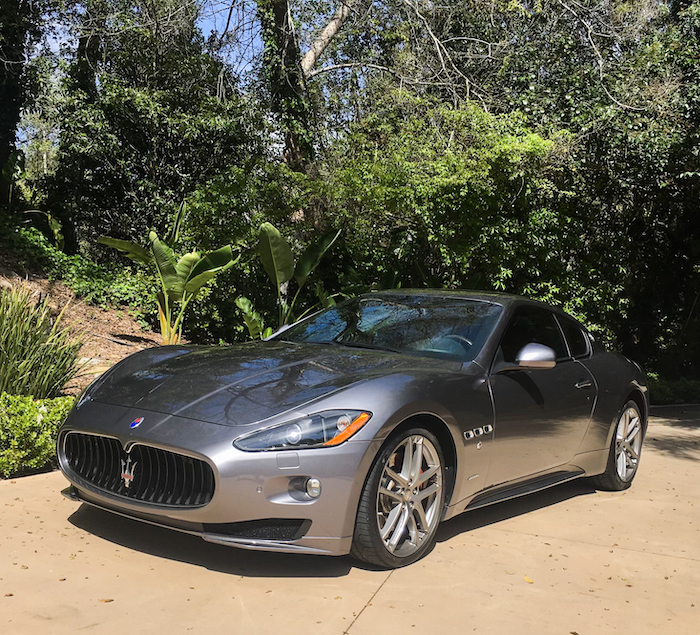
[328, 428]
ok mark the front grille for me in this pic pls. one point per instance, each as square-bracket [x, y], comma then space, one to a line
[145, 473]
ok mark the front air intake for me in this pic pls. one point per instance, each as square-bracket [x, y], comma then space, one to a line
[144, 473]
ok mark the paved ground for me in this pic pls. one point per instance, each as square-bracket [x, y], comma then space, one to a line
[566, 561]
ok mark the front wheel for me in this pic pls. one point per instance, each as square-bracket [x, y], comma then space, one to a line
[625, 449]
[402, 500]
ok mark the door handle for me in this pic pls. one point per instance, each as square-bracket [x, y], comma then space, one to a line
[586, 383]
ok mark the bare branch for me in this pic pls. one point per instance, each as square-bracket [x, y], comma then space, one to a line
[334, 67]
[324, 39]
[442, 52]
[599, 57]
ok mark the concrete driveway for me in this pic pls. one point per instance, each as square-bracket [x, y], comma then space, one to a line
[568, 561]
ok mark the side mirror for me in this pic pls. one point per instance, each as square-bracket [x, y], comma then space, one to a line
[536, 356]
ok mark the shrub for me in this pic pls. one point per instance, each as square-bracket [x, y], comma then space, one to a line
[111, 284]
[37, 356]
[28, 429]
[671, 391]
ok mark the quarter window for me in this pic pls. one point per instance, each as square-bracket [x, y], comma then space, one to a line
[575, 336]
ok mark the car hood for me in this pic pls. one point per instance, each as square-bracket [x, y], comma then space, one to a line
[244, 384]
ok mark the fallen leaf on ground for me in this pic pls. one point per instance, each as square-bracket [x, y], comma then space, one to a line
[529, 581]
[107, 600]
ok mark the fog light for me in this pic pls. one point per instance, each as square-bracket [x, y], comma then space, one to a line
[313, 487]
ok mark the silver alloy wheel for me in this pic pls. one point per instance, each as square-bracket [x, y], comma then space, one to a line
[628, 443]
[409, 495]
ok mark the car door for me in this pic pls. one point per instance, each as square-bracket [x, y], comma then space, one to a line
[541, 415]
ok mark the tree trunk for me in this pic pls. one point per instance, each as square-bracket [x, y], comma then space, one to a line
[14, 29]
[285, 80]
[287, 72]
[322, 41]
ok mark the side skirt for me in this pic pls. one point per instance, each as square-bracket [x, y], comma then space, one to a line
[498, 494]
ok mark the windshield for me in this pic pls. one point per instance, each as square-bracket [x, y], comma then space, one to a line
[444, 327]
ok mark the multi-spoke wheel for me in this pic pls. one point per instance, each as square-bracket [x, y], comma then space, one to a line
[401, 504]
[625, 448]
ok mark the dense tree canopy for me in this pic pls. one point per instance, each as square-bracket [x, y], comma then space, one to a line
[548, 148]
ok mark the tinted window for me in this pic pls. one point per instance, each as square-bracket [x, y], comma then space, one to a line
[449, 327]
[532, 324]
[575, 336]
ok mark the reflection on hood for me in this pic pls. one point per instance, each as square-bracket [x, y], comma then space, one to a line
[242, 384]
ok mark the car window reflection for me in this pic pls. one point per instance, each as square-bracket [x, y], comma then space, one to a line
[449, 328]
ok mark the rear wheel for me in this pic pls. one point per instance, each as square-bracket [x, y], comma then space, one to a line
[625, 450]
[401, 504]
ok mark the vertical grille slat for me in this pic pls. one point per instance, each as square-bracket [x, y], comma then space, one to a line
[159, 477]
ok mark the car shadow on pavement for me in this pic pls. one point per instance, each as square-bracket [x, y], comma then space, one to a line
[498, 512]
[167, 543]
[173, 545]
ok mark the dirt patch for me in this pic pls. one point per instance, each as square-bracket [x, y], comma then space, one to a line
[109, 335]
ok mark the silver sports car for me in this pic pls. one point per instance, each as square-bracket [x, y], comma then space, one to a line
[359, 429]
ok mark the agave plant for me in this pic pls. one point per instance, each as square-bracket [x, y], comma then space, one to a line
[180, 279]
[278, 261]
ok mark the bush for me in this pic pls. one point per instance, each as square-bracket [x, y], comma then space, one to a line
[102, 285]
[28, 429]
[664, 391]
[37, 356]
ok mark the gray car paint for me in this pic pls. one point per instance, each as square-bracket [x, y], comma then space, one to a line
[196, 401]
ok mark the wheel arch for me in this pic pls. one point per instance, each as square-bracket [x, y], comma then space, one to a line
[636, 395]
[440, 429]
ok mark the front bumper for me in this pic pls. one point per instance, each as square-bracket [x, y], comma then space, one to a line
[250, 487]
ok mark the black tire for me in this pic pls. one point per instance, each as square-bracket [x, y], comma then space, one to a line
[622, 464]
[401, 497]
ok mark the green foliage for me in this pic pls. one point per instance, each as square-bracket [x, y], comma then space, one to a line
[179, 279]
[278, 261]
[37, 356]
[672, 391]
[104, 285]
[146, 117]
[436, 195]
[28, 429]
[253, 320]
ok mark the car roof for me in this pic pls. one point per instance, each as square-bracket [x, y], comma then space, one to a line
[494, 297]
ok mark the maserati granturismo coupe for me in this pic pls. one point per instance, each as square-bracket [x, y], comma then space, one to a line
[359, 429]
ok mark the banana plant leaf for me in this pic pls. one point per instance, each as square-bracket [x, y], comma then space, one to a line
[186, 264]
[165, 263]
[175, 229]
[276, 255]
[132, 250]
[207, 267]
[309, 260]
[324, 298]
[251, 317]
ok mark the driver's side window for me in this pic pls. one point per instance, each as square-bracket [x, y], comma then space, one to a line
[531, 324]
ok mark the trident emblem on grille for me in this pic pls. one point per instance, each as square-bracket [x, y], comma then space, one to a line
[128, 471]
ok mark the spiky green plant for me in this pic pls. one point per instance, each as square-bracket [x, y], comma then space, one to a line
[38, 356]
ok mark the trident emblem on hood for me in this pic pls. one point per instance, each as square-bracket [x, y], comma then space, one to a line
[128, 471]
